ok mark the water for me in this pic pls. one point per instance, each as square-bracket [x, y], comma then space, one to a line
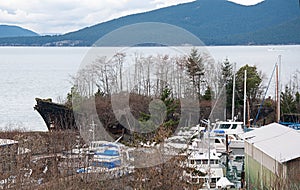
[30, 72]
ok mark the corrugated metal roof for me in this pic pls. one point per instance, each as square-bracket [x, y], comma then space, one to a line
[278, 141]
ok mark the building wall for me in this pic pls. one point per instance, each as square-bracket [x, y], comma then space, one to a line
[263, 172]
[293, 168]
[263, 158]
[257, 176]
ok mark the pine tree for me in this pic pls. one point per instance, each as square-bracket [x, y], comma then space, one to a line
[227, 76]
[287, 101]
[195, 67]
[158, 125]
[208, 94]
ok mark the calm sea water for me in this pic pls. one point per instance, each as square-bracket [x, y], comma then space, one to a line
[30, 72]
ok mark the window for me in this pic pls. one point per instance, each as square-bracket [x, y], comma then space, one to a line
[234, 126]
[213, 180]
[198, 161]
[224, 126]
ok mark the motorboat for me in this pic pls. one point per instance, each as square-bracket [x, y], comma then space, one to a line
[204, 168]
[232, 129]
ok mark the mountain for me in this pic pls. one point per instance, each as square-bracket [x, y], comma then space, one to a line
[215, 22]
[15, 31]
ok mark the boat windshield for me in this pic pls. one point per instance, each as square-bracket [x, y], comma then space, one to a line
[234, 126]
[224, 126]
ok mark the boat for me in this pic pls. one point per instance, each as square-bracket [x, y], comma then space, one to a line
[232, 129]
[57, 117]
[106, 154]
[107, 157]
[228, 127]
[224, 183]
[204, 168]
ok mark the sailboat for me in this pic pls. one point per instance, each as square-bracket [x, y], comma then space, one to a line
[232, 129]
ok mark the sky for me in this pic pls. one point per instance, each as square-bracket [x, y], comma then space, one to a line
[62, 16]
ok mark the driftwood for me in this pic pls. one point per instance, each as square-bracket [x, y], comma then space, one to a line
[56, 116]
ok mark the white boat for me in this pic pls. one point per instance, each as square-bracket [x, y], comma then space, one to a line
[228, 127]
[205, 169]
[235, 142]
[232, 129]
[106, 154]
[105, 157]
[224, 183]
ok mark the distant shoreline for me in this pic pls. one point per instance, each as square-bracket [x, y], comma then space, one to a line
[211, 45]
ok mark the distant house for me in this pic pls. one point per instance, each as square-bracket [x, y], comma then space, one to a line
[272, 157]
[8, 157]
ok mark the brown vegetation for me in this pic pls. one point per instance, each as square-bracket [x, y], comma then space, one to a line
[51, 170]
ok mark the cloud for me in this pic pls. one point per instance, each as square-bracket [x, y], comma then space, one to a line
[246, 2]
[61, 16]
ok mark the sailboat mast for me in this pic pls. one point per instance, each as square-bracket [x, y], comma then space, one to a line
[209, 166]
[245, 96]
[278, 89]
[277, 96]
[233, 94]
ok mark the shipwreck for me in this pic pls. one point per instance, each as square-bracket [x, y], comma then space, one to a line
[56, 116]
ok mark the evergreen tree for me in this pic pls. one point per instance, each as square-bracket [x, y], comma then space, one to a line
[74, 98]
[297, 96]
[166, 124]
[287, 101]
[227, 80]
[195, 67]
[208, 94]
[254, 88]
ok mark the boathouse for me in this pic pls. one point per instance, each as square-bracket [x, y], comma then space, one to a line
[272, 157]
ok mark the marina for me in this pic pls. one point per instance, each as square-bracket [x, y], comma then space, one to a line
[207, 154]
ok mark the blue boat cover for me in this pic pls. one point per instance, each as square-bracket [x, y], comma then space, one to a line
[108, 165]
[108, 153]
[220, 131]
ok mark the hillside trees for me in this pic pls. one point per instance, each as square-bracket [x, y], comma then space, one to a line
[190, 76]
